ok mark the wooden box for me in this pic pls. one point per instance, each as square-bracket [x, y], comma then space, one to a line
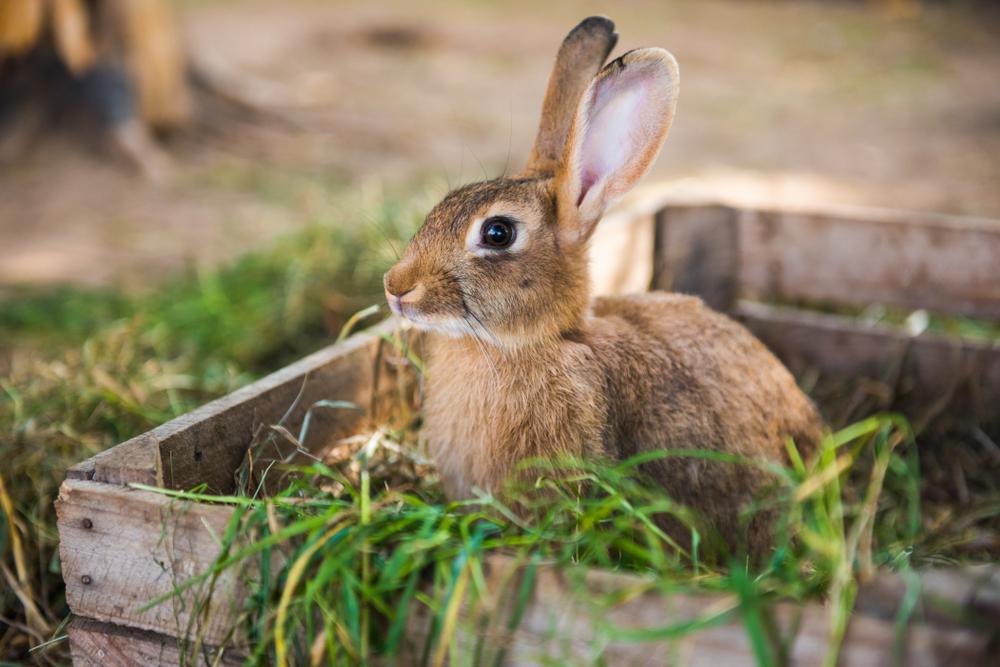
[121, 547]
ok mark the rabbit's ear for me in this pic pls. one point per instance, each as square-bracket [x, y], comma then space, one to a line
[580, 57]
[616, 135]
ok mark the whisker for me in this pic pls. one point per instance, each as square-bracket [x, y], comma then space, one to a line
[482, 327]
[392, 246]
[486, 175]
[368, 219]
[453, 279]
[482, 348]
[510, 134]
[495, 340]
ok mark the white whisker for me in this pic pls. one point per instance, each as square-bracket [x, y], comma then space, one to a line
[482, 346]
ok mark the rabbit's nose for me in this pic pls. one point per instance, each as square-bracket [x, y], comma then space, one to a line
[395, 300]
[395, 284]
[399, 292]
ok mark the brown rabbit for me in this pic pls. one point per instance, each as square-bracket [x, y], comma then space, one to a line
[522, 364]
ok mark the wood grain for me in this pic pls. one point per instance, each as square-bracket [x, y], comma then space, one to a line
[206, 445]
[697, 252]
[581, 616]
[925, 368]
[136, 460]
[940, 263]
[96, 644]
[121, 548]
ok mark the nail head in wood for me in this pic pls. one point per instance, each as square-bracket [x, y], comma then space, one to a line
[86, 580]
[88, 524]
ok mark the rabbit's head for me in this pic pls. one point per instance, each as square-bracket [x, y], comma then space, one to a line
[505, 260]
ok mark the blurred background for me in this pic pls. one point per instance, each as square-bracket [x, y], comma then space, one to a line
[193, 193]
[891, 104]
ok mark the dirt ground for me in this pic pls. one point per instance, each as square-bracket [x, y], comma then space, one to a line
[801, 102]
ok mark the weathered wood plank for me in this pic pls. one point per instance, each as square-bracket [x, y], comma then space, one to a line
[697, 252]
[121, 548]
[96, 644]
[911, 260]
[948, 596]
[135, 460]
[934, 367]
[206, 445]
[579, 616]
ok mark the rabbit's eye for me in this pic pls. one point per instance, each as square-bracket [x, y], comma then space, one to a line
[498, 232]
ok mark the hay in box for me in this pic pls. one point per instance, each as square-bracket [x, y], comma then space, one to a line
[131, 534]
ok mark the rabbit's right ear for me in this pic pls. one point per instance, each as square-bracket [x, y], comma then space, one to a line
[619, 128]
[580, 57]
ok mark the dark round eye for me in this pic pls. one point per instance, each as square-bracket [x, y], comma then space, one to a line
[498, 232]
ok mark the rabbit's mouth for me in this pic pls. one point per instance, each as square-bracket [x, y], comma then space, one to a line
[409, 310]
[449, 326]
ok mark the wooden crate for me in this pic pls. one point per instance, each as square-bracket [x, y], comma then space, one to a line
[121, 547]
[746, 261]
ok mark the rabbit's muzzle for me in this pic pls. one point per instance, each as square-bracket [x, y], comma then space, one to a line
[426, 299]
[405, 301]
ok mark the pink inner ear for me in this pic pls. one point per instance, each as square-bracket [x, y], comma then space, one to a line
[587, 179]
[622, 119]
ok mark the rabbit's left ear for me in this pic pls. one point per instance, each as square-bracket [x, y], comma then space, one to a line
[616, 135]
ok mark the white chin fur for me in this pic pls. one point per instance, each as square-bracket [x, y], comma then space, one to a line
[450, 327]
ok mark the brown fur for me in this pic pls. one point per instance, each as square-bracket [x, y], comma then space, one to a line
[580, 57]
[524, 365]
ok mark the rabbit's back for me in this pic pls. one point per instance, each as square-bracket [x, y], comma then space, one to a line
[682, 376]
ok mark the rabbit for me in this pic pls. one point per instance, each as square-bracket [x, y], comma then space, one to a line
[522, 364]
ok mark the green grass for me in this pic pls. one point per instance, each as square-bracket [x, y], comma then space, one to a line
[350, 554]
[83, 370]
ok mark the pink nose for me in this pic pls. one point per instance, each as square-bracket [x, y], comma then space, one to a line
[396, 300]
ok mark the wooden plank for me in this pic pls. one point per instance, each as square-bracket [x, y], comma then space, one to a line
[207, 445]
[697, 252]
[869, 640]
[950, 596]
[940, 263]
[579, 616]
[136, 460]
[121, 548]
[925, 368]
[96, 644]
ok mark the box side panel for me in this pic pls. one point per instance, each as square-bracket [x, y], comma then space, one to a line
[121, 549]
[948, 265]
[579, 616]
[207, 445]
[96, 644]
[965, 374]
